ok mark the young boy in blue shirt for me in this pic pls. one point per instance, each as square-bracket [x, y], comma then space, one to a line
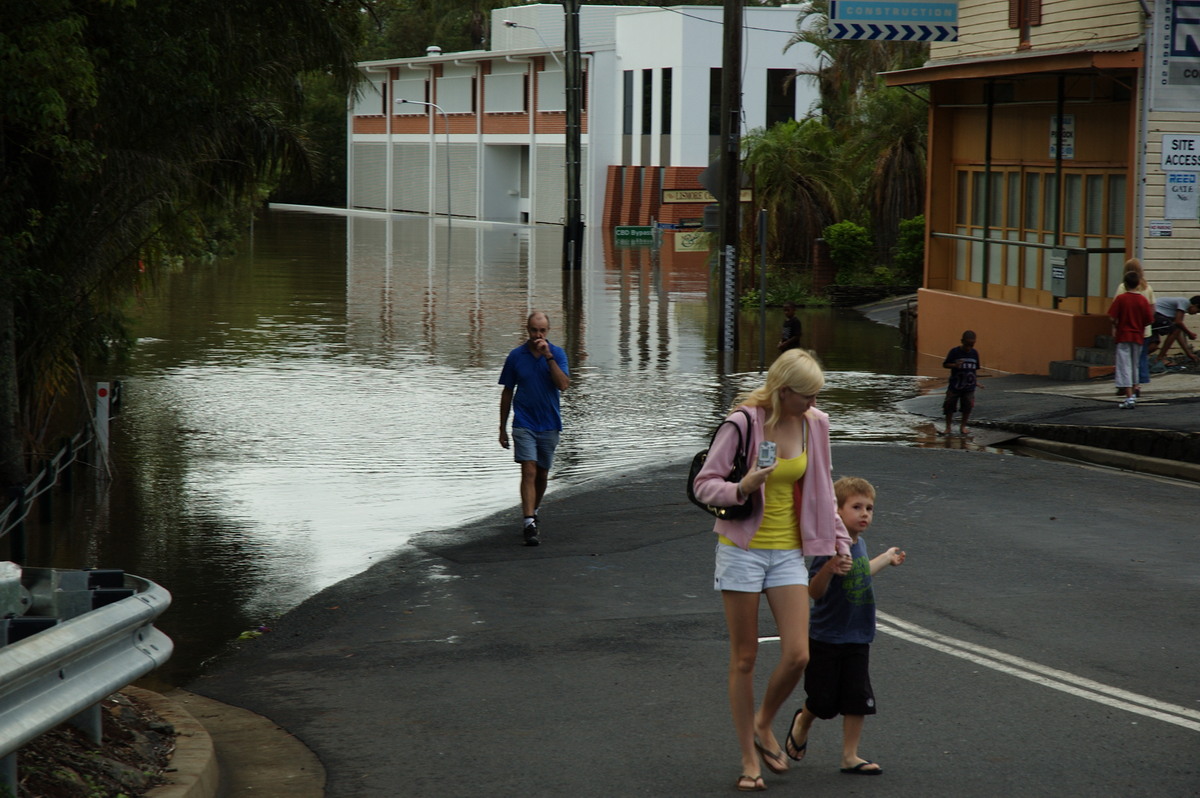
[840, 633]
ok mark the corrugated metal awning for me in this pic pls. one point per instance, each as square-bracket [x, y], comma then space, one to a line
[1125, 54]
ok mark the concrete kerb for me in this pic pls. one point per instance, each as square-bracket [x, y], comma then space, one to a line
[1115, 459]
[193, 771]
[225, 750]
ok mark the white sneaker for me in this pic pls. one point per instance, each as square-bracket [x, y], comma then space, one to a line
[1128, 404]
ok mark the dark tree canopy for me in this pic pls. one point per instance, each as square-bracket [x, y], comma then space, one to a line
[129, 128]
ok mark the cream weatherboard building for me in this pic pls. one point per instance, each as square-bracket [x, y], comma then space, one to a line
[481, 134]
[1064, 138]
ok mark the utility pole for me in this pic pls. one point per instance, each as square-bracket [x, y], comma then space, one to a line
[573, 85]
[729, 160]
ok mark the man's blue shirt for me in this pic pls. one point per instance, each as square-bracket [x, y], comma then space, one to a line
[535, 396]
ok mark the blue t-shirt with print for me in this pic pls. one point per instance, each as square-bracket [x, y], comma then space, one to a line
[962, 376]
[846, 613]
[535, 399]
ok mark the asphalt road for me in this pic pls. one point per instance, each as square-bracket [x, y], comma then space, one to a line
[1041, 640]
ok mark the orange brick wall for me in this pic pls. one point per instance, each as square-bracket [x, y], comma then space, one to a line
[626, 204]
[506, 123]
[651, 195]
[630, 196]
[1018, 339]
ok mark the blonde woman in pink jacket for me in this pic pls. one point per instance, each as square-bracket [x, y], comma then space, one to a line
[794, 514]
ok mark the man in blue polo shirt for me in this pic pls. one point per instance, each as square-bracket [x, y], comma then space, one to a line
[533, 376]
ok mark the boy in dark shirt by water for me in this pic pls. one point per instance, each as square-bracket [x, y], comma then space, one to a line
[963, 362]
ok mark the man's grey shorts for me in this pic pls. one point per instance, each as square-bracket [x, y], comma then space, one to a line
[755, 570]
[529, 445]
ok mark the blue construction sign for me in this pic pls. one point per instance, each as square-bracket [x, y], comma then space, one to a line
[893, 20]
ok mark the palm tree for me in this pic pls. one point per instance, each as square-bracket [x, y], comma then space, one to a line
[797, 178]
[848, 70]
[883, 129]
[889, 151]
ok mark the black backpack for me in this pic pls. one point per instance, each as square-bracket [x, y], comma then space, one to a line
[741, 460]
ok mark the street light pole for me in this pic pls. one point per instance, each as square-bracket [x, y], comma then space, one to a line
[573, 85]
[446, 122]
[508, 23]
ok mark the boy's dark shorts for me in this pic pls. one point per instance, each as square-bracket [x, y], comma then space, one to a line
[956, 400]
[837, 679]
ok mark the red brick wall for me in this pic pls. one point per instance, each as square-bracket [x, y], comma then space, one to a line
[630, 200]
[612, 197]
[651, 194]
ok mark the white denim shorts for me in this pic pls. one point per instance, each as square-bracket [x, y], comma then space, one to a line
[755, 570]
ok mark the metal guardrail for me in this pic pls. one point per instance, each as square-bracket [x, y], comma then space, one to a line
[60, 673]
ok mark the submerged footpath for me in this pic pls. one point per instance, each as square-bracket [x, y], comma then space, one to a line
[1086, 422]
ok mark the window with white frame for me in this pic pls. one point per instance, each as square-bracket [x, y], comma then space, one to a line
[504, 90]
[456, 89]
[368, 101]
[552, 90]
[416, 89]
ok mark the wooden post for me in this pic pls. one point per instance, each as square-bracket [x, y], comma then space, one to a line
[730, 158]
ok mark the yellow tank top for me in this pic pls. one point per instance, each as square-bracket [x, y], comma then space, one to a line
[779, 528]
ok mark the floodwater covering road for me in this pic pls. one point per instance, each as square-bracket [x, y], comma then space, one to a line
[295, 413]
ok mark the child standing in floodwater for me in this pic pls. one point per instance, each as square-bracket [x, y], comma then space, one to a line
[963, 362]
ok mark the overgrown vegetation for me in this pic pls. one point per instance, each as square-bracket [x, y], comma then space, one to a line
[852, 172]
[785, 286]
[134, 133]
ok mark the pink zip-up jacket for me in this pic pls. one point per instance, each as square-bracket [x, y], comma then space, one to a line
[821, 529]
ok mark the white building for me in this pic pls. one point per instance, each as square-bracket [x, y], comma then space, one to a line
[482, 134]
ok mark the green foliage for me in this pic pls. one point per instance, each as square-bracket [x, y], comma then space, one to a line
[785, 286]
[908, 256]
[890, 161]
[322, 117]
[848, 71]
[404, 28]
[860, 157]
[134, 131]
[797, 178]
[851, 249]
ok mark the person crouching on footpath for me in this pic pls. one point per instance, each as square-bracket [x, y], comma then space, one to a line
[841, 632]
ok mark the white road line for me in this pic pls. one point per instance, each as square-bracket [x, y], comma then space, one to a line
[1040, 674]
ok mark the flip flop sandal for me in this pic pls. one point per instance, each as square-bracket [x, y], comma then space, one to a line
[774, 761]
[756, 784]
[857, 770]
[800, 750]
